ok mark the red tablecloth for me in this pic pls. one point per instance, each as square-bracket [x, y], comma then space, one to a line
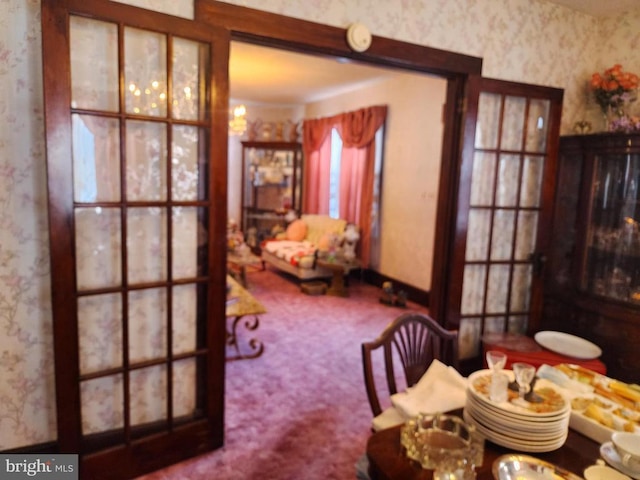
[520, 348]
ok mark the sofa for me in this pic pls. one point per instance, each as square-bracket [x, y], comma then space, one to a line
[296, 250]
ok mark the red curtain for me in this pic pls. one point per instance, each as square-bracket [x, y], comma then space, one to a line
[316, 146]
[357, 130]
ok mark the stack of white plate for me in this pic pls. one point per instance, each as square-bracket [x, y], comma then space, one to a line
[515, 426]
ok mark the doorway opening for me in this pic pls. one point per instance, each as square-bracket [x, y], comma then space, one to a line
[278, 85]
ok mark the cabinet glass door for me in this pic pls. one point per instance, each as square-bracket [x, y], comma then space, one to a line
[612, 261]
[271, 187]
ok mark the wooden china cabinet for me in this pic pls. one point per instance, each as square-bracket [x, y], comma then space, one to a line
[271, 185]
[593, 275]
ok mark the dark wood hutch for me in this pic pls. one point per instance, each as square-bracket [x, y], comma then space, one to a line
[593, 276]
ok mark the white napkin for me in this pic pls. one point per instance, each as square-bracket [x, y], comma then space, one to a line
[562, 379]
[440, 389]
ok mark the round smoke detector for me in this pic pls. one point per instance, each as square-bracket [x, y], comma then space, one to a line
[358, 37]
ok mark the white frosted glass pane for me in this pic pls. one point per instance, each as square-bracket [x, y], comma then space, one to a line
[497, 288]
[100, 332]
[488, 123]
[502, 239]
[145, 72]
[98, 248]
[508, 179]
[537, 125]
[473, 289]
[531, 181]
[185, 242]
[146, 161]
[513, 120]
[184, 387]
[147, 324]
[148, 389]
[94, 64]
[184, 308]
[494, 324]
[184, 163]
[147, 245]
[187, 76]
[521, 288]
[96, 159]
[527, 232]
[469, 336]
[482, 180]
[101, 402]
[478, 231]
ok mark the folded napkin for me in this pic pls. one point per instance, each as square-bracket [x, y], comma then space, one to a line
[440, 389]
[562, 379]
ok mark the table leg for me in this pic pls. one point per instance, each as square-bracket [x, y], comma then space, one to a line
[337, 287]
[254, 344]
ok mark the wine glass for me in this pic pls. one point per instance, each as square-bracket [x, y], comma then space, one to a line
[524, 374]
[496, 361]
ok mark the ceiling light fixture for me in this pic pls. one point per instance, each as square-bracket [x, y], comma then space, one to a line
[238, 120]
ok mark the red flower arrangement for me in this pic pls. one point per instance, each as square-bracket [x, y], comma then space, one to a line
[614, 88]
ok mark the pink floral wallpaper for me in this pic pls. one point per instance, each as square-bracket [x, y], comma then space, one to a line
[522, 40]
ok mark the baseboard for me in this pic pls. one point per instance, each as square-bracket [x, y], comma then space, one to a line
[416, 295]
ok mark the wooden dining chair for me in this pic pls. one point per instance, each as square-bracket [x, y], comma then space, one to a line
[414, 340]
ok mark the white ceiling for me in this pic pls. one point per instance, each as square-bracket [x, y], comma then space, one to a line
[269, 75]
[274, 76]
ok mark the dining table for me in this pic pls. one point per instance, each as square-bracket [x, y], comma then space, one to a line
[388, 461]
[521, 348]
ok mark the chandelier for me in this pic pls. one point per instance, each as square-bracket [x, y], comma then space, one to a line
[237, 120]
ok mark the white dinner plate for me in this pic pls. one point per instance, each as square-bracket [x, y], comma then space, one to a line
[528, 424]
[567, 344]
[505, 425]
[510, 409]
[521, 444]
[602, 472]
[609, 453]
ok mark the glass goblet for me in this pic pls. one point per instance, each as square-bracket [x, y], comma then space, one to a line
[524, 374]
[496, 360]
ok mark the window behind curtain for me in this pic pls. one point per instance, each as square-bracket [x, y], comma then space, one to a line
[334, 182]
[334, 186]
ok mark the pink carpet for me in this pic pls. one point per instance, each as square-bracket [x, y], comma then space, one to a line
[300, 410]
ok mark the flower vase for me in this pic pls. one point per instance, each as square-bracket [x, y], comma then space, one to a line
[610, 113]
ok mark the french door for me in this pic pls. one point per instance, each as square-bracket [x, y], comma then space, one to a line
[504, 207]
[136, 156]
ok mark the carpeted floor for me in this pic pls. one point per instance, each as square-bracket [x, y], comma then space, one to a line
[300, 410]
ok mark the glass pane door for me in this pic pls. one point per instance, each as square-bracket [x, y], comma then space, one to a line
[501, 213]
[136, 224]
[132, 230]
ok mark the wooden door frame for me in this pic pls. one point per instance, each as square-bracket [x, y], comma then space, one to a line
[273, 30]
